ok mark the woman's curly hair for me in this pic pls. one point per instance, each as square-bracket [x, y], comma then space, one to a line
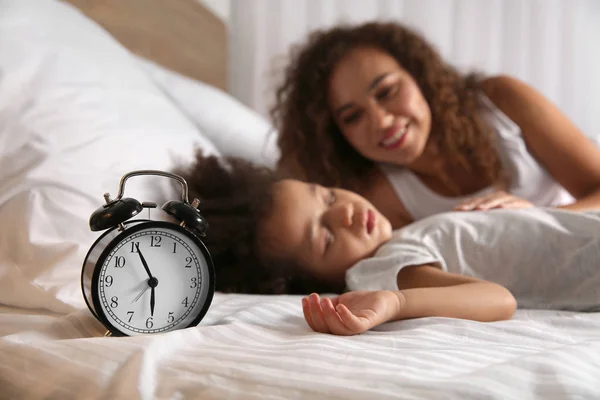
[236, 197]
[312, 146]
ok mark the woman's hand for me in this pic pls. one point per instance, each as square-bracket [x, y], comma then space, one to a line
[351, 313]
[499, 199]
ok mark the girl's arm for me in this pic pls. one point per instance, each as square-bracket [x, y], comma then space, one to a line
[425, 291]
[553, 139]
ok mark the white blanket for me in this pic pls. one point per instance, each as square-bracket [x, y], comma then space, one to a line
[259, 347]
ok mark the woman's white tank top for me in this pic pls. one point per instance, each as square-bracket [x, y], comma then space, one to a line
[528, 179]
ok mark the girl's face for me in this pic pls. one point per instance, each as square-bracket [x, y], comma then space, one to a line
[379, 107]
[323, 230]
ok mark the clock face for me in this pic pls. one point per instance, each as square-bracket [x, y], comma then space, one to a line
[153, 277]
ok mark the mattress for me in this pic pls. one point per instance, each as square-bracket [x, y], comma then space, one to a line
[259, 347]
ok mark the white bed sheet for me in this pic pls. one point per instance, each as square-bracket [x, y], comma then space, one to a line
[259, 347]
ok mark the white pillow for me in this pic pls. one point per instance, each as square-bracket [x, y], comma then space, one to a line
[233, 127]
[76, 113]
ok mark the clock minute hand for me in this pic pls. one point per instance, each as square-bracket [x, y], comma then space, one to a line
[152, 301]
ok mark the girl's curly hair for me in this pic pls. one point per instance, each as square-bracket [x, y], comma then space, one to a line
[312, 146]
[236, 197]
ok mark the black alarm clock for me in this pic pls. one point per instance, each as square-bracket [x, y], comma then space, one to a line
[146, 277]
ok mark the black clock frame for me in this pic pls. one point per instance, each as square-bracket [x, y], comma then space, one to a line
[138, 226]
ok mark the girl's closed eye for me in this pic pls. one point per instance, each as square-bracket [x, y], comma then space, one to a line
[330, 200]
[328, 239]
[331, 197]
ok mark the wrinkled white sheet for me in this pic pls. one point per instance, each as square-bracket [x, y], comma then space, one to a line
[259, 347]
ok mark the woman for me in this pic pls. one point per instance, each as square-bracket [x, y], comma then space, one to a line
[373, 108]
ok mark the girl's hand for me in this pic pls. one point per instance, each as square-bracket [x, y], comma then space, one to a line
[498, 199]
[351, 313]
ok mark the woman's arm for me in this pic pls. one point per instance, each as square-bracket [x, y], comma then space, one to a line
[558, 145]
[425, 291]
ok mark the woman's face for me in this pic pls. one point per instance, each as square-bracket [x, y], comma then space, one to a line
[379, 107]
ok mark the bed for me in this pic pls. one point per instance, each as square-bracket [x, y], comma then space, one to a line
[90, 88]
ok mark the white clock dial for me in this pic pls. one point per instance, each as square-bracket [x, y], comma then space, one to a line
[169, 292]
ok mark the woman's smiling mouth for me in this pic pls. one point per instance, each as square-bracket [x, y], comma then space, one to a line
[395, 138]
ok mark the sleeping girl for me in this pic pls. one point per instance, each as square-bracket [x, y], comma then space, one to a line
[270, 235]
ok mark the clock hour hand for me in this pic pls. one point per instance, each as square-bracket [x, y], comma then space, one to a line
[144, 262]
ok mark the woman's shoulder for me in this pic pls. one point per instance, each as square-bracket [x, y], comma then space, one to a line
[510, 95]
[497, 87]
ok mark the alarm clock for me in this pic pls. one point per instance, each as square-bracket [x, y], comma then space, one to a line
[145, 277]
